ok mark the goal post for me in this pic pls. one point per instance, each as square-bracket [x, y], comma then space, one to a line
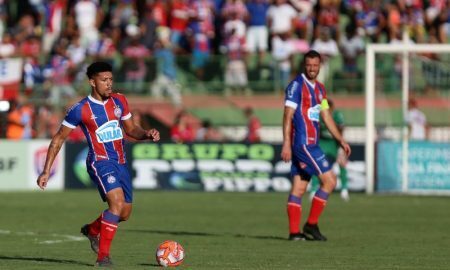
[405, 50]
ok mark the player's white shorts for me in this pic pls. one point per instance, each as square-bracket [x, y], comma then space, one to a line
[257, 38]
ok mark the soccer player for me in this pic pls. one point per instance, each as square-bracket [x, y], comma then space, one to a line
[332, 152]
[102, 115]
[305, 103]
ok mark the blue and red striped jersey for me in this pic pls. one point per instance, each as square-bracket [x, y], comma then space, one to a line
[306, 98]
[102, 126]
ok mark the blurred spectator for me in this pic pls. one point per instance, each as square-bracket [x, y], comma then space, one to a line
[234, 9]
[351, 45]
[417, 122]
[202, 33]
[370, 19]
[236, 70]
[182, 131]
[166, 79]
[59, 72]
[148, 28]
[281, 17]
[282, 53]
[158, 9]
[206, 133]
[443, 25]
[33, 75]
[31, 47]
[257, 34]
[327, 48]
[304, 22]
[179, 19]
[413, 18]
[25, 27]
[135, 68]
[19, 120]
[394, 20]
[253, 127]
[87, 16]
[8, 47]
[48, 121]
[236, 24]
[54, 12]
[328, 17]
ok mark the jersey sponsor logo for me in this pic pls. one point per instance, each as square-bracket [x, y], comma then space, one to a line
[117, 112]
[314, 113]
[292, 89]
[108, 132]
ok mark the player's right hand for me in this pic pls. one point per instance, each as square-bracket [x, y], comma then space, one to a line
[42, 180]
[286, 153]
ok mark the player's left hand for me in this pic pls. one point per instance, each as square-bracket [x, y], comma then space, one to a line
[346, 148]
[153, 134]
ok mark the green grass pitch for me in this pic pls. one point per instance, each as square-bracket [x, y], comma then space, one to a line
[40, 230]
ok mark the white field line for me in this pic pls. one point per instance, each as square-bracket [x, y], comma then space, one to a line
[62, 237]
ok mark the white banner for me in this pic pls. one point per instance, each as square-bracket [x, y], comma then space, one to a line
[10, 70]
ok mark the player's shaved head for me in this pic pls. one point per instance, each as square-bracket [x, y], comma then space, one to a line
[97, 67]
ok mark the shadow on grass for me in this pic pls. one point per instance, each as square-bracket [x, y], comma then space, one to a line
[150, 264]
[183, 233]
[40, 259]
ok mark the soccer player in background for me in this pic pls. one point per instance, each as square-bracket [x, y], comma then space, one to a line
[332, 152]
[102, 115]
[305, 103]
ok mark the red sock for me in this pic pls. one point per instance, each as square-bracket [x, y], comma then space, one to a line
[108, 229]
[94, 227]
[317, 206]
[294, 214]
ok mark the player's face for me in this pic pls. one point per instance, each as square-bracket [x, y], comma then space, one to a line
[102, 84]
[312, 68]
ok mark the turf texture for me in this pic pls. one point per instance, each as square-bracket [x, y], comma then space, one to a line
[40, 230]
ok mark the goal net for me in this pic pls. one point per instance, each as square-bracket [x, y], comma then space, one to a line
[408, 118]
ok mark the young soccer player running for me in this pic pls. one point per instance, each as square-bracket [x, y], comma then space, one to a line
[305, 103]
[102, 115]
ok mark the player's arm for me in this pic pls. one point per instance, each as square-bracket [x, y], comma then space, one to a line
[53, 150]
[286, 151]
[331, 126]
[138, 133]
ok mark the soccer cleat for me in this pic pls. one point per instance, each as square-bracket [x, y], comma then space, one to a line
[105, 262]
[344, 195]
[93, 239]
[298, 237]
[314, 232]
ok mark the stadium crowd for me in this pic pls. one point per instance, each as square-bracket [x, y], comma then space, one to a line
[57, 39]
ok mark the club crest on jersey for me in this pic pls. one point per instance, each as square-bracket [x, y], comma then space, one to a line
[117, 112]
[108, 132]
[314, 113]
[111, 179]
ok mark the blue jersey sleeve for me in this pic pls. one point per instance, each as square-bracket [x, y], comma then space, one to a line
[292, 94]
[73, 116]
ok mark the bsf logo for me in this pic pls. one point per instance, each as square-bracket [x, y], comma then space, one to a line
[117, 112]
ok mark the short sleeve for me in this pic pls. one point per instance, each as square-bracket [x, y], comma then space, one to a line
[73, 116]
[292, 94]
